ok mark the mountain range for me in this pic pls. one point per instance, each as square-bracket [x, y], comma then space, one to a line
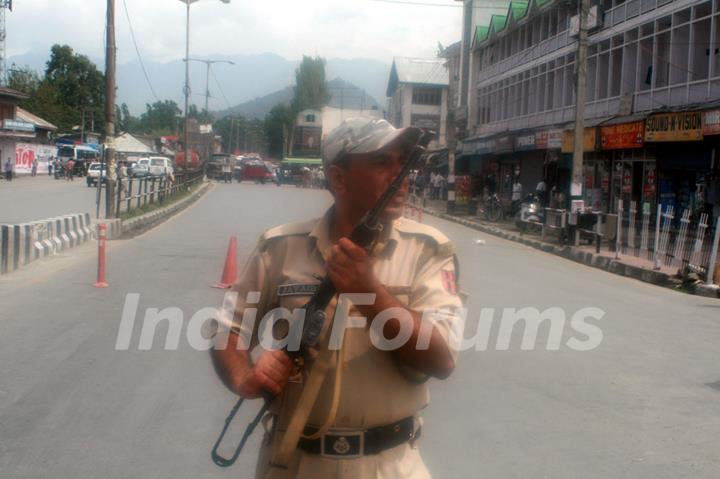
[343, 94]
[249, 79]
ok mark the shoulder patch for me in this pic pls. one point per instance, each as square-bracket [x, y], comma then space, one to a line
[440, 244]
[290, 229]
[411, 227]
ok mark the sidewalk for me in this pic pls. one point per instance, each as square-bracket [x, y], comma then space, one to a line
[629, 265]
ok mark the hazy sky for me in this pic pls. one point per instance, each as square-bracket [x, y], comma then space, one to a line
[289, 28]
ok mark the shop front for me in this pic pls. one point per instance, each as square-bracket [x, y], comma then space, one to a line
[623, 169]
[683, 159]
[594, 167]
[711, 135]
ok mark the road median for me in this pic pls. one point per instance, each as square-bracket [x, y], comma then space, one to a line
[137, 224]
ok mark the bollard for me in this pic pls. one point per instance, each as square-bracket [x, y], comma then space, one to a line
[102, 229]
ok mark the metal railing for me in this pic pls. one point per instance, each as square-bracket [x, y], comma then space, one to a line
[136, 193]
[685, 242]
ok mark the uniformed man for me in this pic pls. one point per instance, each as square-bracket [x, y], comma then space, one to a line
[370, 400]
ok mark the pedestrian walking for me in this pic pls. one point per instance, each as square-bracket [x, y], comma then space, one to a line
[541, 192]
[227, 171]
[33, 172]
[69, 173]
[122, 178]
[8, 170]
[517, 192]
[51, 164]
[374, 424]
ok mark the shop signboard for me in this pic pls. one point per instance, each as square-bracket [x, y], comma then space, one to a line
[503, 144]
[26, 154]
[463, 189]
[589, 140]
[478, 147]
[623, 136]
[711, 122]
[627, 178]
[541, 140]
[549, 140]
[17, 125]
[525, 142]
[677, 126]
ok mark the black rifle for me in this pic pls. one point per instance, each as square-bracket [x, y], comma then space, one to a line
[364, 235]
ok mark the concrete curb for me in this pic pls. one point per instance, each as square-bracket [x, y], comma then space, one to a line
[23, 243]
[134, 226]
[587, 258]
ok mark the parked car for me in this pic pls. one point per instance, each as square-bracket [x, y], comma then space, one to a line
[257, 171]
[160, 166]
[95, 171]
[141, 168]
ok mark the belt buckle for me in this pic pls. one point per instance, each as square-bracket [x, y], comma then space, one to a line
[350, 445]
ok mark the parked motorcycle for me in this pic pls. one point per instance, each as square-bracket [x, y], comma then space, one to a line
[531, 215]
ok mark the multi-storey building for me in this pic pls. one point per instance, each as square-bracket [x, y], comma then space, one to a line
[653, 76]
[417, 91]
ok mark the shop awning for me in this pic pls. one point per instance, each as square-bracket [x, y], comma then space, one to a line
[302, 161]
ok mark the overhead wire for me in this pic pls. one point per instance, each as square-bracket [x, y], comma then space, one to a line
[137, 50]
[222, 92]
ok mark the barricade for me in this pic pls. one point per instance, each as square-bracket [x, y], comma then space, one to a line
[23, 243]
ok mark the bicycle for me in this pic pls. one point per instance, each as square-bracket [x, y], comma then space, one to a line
[492, 208]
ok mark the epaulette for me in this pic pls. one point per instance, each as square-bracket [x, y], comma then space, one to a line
[444, 246]
[290, 229]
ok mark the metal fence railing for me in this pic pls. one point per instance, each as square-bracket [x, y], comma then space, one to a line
[135, 193]
[665, 238]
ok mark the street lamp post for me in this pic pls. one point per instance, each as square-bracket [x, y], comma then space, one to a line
[186, 136]
[208, 64]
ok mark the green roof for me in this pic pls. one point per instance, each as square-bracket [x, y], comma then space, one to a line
[520, 8]
[302, 161]
[498, 22]
[482, 33]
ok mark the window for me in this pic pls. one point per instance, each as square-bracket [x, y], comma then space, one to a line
[426, 96]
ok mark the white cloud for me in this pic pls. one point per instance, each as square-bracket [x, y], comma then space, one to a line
[289, 28]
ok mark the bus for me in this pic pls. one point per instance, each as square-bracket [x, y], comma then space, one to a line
[82, 156]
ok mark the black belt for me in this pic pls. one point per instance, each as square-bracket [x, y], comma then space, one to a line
[360, 443]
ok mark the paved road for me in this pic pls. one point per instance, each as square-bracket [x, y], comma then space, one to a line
[645, 403]
[27, 198]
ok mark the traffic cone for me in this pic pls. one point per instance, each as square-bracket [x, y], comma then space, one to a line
[230, 270]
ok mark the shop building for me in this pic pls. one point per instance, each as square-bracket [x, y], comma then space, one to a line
[418, 96]
[653, 69]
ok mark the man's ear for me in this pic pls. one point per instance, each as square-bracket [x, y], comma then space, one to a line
[337, 180]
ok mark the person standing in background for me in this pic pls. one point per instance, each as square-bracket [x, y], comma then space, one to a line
[8, 170]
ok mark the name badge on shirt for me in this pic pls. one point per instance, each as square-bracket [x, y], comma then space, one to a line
[297, 289]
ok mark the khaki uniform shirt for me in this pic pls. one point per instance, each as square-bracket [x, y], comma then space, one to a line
[416, 264]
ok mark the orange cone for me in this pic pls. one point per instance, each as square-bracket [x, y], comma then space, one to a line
[230, 270]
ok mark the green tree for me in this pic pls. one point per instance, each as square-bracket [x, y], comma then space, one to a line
[278, 123]
[24, 79]
[231, 129]
[125, 121]
[160, 118]
[310, 87]
[78, 87]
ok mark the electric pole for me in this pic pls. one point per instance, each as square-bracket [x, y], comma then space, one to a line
[4, 5]
[451, 145]
[580, 85]
[110, 112]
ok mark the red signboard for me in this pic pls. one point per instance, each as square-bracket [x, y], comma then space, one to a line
[623, 136]
[711, 122]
